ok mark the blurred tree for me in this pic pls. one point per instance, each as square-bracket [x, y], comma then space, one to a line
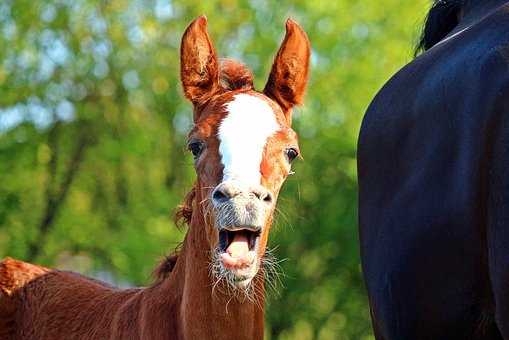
[93, 125]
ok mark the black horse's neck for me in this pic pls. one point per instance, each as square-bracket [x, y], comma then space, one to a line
[475, 10]
[449, 16]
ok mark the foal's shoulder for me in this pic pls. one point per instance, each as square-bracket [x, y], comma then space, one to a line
[15, 274]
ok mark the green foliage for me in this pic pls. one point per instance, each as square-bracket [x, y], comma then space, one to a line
[93, 125]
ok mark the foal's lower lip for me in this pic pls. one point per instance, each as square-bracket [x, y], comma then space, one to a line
[245, 262]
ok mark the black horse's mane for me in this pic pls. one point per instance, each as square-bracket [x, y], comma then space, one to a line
[440, 20]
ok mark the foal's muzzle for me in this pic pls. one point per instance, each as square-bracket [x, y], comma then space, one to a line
[239, 206]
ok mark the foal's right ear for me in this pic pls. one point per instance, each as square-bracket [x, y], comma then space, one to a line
[199, 70]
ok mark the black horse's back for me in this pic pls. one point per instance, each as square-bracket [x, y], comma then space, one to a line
[429, 144]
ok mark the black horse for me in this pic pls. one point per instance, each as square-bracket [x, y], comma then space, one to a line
[433, 164]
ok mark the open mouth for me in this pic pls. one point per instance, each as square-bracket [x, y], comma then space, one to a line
[238, 247]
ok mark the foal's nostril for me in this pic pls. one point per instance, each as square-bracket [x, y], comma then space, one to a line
[263, 195]
[219, 196]
[267, 197]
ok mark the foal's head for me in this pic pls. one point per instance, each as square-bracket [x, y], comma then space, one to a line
[242, 143]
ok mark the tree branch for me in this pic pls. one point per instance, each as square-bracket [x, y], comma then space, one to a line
[55, 199]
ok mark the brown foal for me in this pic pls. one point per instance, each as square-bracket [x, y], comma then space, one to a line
[243, 146]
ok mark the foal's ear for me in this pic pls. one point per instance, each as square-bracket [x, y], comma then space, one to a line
[199, 70]
[289, 74]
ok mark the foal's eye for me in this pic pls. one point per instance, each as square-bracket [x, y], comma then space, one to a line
[196, 148]
[291, 153]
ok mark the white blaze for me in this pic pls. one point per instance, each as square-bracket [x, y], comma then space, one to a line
[242, 136]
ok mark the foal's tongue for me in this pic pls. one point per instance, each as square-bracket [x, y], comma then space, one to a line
[239, 247]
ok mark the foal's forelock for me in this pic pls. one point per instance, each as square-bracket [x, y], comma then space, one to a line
[243, 135]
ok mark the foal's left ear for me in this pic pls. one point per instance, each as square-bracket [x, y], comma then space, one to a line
[289, 74]
[199, 67]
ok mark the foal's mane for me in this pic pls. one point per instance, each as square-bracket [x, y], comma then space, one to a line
[233, 75]
[441, 19]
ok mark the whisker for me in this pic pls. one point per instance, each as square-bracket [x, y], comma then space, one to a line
[282, 214]
[204, 200]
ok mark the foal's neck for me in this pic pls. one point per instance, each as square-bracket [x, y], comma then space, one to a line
[205, 311]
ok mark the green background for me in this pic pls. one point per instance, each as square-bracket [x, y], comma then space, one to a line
[93, 126]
